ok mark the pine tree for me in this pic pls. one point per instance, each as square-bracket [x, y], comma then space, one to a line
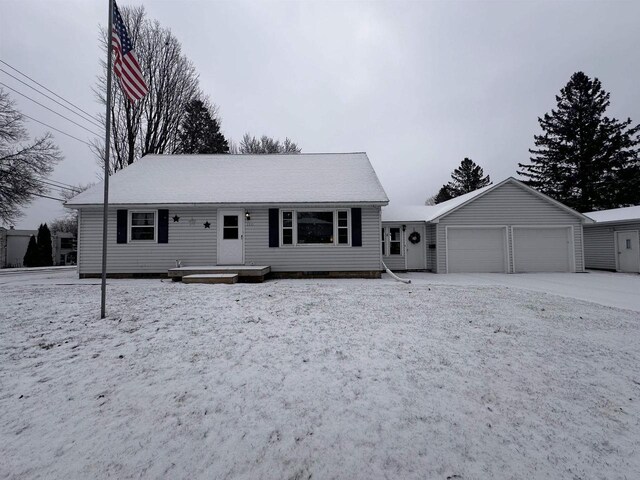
[200, 130]
[583, 158]
[443, 195]
[31, 257]
[45, 248]
[466, 178]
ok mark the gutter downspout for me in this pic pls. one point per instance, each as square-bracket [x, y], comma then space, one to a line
[394, 276]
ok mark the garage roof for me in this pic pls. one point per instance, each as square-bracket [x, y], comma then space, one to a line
[616, 214]
[432, 213]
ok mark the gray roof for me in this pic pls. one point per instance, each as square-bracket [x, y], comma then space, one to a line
[616, 214]
[242, 179]
[431, 213]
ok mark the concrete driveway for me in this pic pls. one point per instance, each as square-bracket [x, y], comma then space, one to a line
[621, 290]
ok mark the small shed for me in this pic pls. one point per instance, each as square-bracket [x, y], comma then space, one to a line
[504, 228]
[613, 242]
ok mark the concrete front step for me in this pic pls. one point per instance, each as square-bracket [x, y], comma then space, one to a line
[211, 278]
[245, 273]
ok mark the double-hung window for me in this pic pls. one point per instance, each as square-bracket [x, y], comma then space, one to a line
[391, 240]
[287, 228]
[394, 241]
[142, 226]
[315, 227]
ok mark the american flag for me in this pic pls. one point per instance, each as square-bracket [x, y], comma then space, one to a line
[126, 64]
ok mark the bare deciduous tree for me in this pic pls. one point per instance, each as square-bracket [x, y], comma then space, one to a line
[251, 144]
[22, 163]
[152, 124]
[69, 222]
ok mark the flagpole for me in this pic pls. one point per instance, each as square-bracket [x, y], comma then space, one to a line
[107, 150]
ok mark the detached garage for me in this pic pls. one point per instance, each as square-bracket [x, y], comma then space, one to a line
[503, 228]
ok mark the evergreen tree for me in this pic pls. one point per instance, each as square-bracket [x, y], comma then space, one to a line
[200, 130]
[466, 178]
[443, 195]
[583, 158]
[45, 249]
[31, 257]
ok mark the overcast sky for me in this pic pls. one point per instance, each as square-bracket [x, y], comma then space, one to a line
[416, 85]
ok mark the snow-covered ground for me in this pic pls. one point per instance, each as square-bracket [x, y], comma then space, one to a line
[443, 378]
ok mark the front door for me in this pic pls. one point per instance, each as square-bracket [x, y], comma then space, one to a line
[230, 237]
[416, 249]
[628, 254]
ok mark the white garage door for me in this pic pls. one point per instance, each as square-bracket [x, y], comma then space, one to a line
[542, 249]
[481, 249]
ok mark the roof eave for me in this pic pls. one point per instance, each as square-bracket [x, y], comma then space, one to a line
[375, 203]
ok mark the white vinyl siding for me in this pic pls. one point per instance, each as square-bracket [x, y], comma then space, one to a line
[600, 249]
[193, 244]
[189, 242]
[509, 205]
[309, 257]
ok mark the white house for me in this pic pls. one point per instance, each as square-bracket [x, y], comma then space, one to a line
[298, 214]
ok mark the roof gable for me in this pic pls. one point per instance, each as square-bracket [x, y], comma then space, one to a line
[434, 213]
[238, 179]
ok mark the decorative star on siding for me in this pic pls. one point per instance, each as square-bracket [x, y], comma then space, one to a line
[176, 218]
[207, 225]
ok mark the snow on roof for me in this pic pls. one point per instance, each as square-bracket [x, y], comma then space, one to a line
[426, 213]
[616, 214]
[283, 178]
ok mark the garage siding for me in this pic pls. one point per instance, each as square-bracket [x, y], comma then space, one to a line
[431, 252]
[508, 205]
[599, 244]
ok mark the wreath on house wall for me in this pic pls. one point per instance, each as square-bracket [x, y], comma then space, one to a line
[414, 238]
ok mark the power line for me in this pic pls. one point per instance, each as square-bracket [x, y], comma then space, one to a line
[62, 184]
[47, 196]
[90, 120]
[50, 109]
[59, 131]
[58, 186]
[40, 85]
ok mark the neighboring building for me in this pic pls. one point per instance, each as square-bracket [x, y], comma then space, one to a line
[300, 214]
[504, 228]
[64, 248]
[14, 243]
[613, 242]
[13, 246]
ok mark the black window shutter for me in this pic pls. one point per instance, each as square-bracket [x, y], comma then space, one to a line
[356, 227]
[274, 227]
[163, 226]
[121, 234]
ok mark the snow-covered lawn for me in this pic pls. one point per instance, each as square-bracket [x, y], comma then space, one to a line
[314, 379]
